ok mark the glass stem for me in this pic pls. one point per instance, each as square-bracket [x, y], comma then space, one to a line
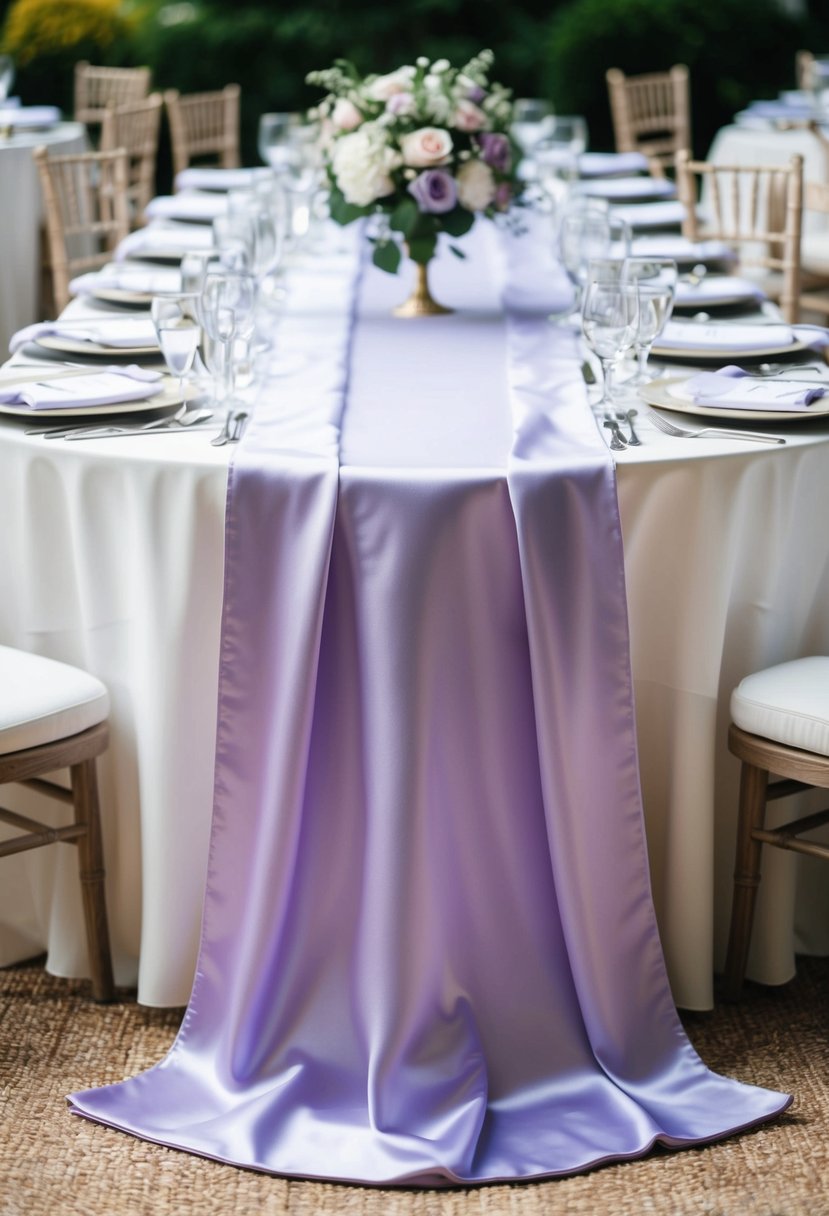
[642, 355]
[608, 367]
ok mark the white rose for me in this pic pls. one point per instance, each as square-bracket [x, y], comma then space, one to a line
[476, 185]
[345, 115]
[426, 147]
[361, 162]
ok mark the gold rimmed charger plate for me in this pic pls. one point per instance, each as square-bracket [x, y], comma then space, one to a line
[165, 400]
[657, 393]
[69, 346]
[691, 353]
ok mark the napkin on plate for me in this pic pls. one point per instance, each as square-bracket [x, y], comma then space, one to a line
[714, 289]
[28, 116]
[127, 276]
[603, 164]
[198, 207]
[211, 177]
[165, 240]
[672, 245]
[117, 333]
[733, 388]
[78, 391]
[628, 188]
[651, 215]
[692, 335]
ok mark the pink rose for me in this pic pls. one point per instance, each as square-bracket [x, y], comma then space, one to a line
[468, 116]
[426, 147]
[345, 115]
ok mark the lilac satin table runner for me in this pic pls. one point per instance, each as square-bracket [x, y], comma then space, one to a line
[429, 953]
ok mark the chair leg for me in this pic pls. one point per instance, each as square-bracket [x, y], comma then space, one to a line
[91, 859]
[753, 786]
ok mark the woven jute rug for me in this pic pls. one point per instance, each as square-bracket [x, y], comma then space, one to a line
[54, 1040]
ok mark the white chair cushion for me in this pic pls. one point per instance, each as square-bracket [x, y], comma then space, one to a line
[788, 703]
[42, 700]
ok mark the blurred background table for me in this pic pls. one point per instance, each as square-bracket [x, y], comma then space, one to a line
[20, 218]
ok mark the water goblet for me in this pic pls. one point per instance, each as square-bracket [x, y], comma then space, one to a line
[609, 324]
[228, 303]
[177, 327]
[655, 279]
[275, 139]
[532, 119]
[587, 231]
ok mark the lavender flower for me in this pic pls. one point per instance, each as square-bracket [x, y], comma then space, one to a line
[435, 191]
[496, 151]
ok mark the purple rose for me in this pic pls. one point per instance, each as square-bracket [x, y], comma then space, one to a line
[435, 191]
[476, 93]
[495, 150]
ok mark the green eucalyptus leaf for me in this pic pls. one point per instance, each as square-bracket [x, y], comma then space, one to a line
[386, 256]
[405, 216]
[458, 221]
[422, 249]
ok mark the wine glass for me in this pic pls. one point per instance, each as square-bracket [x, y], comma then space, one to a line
[276, 139]
[176, 323]
[532, 119]
[587, 231]
[6, 76]
[228, 303]
[610, 318]
[655, 279]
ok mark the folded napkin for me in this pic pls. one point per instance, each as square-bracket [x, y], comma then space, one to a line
[631, 188]
[78, 391]
[733, 388]
[716, 289]
[651, 215]
[672, 245]
[126, 333]
[208, 177]
[603, 164]
[201, 208]
[28, 116]
[691, 335]
[127, 276]
[165, 240]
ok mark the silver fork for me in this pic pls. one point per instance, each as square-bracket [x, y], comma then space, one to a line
[708, 432]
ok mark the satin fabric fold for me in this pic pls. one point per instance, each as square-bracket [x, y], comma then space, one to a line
[429, 954]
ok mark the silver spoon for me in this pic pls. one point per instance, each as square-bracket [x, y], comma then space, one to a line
[628, 417]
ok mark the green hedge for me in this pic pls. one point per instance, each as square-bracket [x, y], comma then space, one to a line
[735, 49]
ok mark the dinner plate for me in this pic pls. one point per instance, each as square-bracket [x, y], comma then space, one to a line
[657, 392]
[718, 291]
[628, 189]
[71, 346]
[120, 295]
[171, 396]
[725, 353]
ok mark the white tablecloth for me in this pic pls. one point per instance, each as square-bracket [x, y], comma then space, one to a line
[20, 216]
[114, 562]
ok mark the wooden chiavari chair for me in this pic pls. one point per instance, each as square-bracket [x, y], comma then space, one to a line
[204, 127]
[134, 127]
[651, 114]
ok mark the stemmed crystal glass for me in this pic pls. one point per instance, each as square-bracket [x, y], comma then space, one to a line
[276, 139]
[532, 119]
[587, 232]
[228, 303]
[176, 322]
[655, 280]
[610, 316]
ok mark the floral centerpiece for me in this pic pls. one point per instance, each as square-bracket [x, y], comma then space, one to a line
[426, 146]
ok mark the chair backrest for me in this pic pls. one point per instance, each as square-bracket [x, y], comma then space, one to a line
[97, 87]
[204, 127]
[756, 208]
[803, 62]
[135, 126]
[85, 200]
[651, 113]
